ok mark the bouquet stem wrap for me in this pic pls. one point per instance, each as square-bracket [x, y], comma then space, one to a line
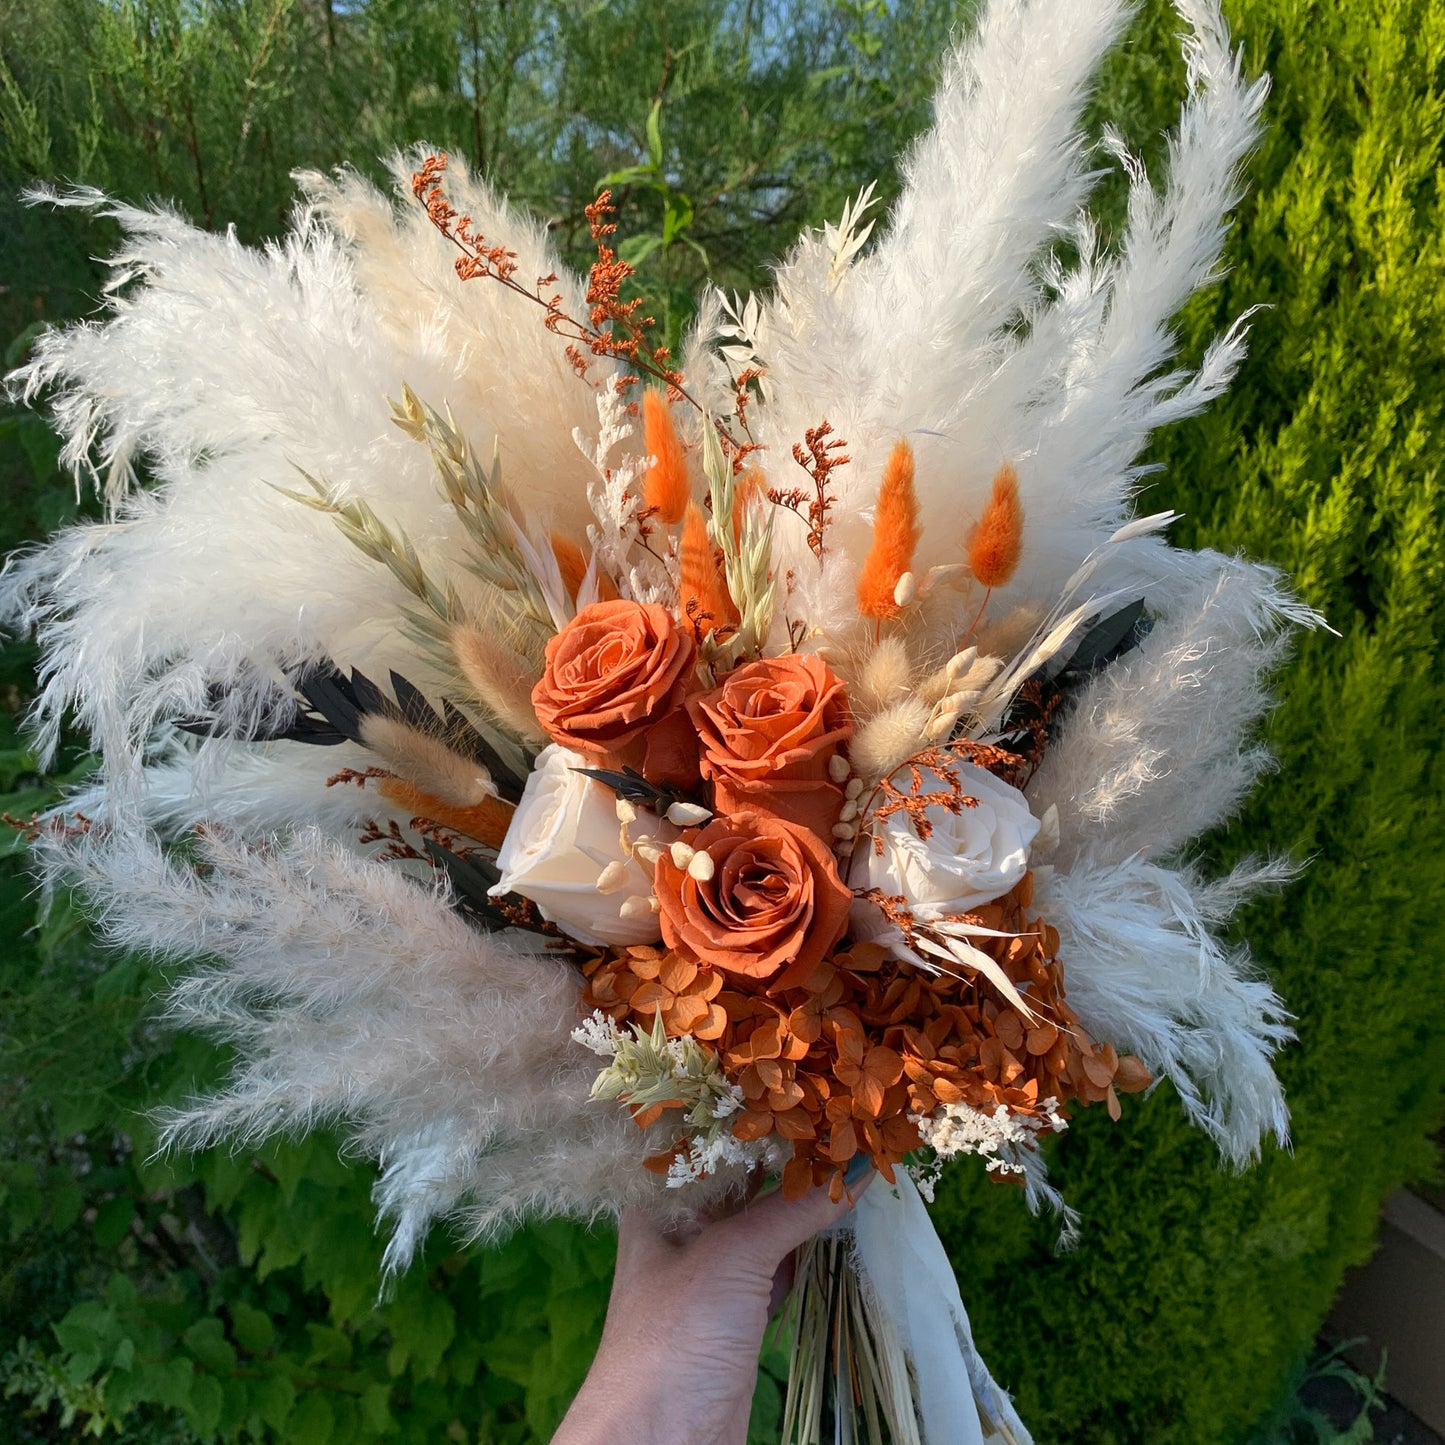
[907, 1279]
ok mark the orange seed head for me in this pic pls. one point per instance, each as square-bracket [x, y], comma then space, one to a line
[665, 488]
[570, 562]
[486, 821]
[895, 535]
[996, 542]
[703, 598]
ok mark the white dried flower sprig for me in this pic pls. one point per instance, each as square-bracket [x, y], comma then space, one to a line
[1003, 1139]
[845, 240]
[615, 498]
[648, 1069]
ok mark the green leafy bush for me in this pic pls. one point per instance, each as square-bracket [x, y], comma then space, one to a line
[235, 1297]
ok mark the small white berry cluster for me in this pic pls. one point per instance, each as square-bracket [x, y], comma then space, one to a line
[647, 848]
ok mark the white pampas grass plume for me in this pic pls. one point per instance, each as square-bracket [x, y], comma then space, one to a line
[207, 587]
[359, 998]
[1145, 972]
[1154, 751]
[964, 331]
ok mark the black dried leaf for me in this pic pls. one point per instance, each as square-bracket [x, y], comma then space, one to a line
[306, 726]
[415, 709]
[1042, 702]
[631, 785]
[342, 703]
[471, 878]
[370, 699]
[328, 694]
[1109, 639]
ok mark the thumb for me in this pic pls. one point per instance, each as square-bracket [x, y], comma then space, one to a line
[772, 1227]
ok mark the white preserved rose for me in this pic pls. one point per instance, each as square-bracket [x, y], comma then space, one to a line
[564, 833]
[968, 859]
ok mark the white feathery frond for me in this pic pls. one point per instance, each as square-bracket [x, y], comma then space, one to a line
[1146, 973]
[363, 999]
[252, 790]
[207, 587]
[963, 330]
[486, 352]
[1156, 749]
[901, 341]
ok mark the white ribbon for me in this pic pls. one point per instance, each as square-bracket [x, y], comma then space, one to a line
[907, 1276]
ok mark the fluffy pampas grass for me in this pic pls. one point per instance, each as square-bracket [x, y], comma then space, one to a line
[357, 996]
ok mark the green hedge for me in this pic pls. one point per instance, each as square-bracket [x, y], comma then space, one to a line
[182, 1299]
[1179, 1315]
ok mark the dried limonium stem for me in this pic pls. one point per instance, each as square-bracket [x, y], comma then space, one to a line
[819, 457]
[613, 327]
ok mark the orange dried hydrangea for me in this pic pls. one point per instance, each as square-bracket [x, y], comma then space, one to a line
[837, 1065]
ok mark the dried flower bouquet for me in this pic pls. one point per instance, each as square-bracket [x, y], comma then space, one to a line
[605, 780]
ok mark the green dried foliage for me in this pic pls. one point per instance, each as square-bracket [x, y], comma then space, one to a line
[235, 1298]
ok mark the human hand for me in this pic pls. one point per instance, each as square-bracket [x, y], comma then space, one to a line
[679, 1354]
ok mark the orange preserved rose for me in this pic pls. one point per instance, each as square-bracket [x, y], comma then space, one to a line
[772, 907]
[767, 735]
[613, 672]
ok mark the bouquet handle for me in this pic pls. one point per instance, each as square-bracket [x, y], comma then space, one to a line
[879, 1323]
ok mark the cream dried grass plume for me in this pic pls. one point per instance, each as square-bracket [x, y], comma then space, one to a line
[959, 330]
[500, 679]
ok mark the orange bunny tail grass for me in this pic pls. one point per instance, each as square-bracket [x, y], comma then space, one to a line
[486, 822]
[895, 535]
[665, 489]
[996, 542]
[702, 595]
[572, 564]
